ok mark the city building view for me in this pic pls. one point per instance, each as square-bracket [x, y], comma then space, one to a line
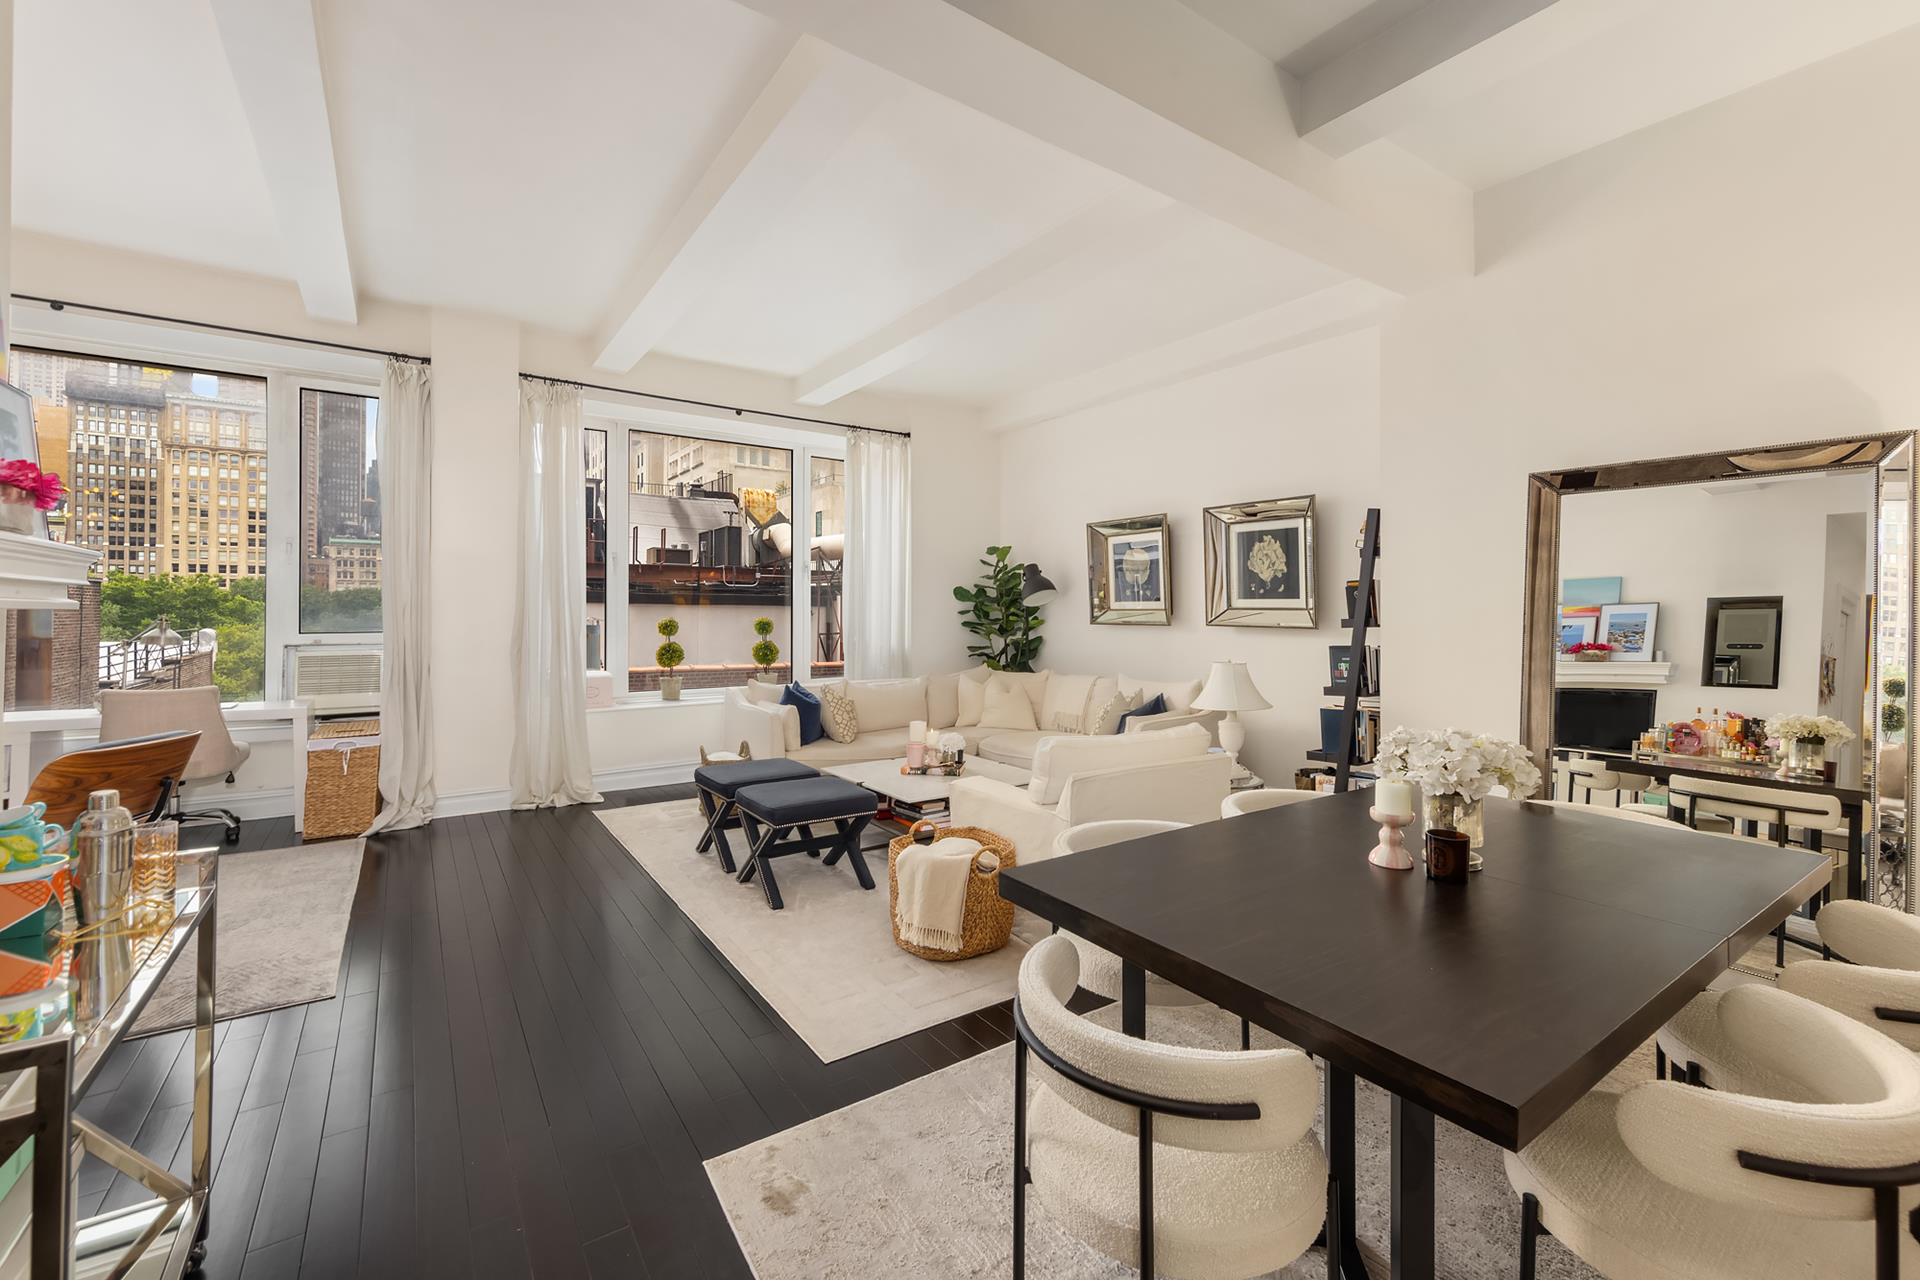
[339, 512]
[709, 539]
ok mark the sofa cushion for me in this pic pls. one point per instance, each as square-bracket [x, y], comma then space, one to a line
[1011, 746]
[1006, 705]
[1064, 710]
[807, 704]
[971, 695]
[1060, 756]
[1180, 694]
[1033, 684]
[1152, 707]
[943, 700]
[839, 715]
[759, 691]
[1106, 714]
[889, 704]
[877, 745]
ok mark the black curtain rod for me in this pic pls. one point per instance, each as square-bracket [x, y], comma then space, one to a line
[735, 410]
[60, 304]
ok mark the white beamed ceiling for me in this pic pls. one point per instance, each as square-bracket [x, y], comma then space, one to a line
[896, 195]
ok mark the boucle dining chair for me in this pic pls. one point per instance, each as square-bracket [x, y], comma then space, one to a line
[1256, 799]
[1783, 811]
[1626, 813]
[1666, 1179]
[1869, 934]
[1193, 1162]
[1593, 776]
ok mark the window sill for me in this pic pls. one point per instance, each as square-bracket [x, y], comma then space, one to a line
[653, 702]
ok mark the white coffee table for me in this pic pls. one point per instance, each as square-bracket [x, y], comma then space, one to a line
[883, 778]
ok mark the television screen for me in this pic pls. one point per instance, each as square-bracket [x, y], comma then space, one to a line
[1607, 720]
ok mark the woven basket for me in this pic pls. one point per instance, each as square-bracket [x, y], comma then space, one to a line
[987, 923]
[343, 779]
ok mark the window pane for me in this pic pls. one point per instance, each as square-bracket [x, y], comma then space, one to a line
[710, 544]
[339, 512]
[829, 502]
[596, 472]
[167, 471]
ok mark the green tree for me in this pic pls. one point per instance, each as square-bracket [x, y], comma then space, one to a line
[131, 603]
[240, 665]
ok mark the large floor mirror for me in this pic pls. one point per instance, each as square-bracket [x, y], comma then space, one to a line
[1683, 613]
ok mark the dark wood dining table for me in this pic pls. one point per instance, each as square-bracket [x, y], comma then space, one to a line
[1495, 1005]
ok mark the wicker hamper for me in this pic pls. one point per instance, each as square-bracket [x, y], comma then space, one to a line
[343, 779]
[988, 920]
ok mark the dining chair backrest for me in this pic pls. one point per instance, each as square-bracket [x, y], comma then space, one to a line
[1869, 934]
[1886, 1000]
[1112, 831]
[1263, 798]
[1780, 806]
[1890, 772]
[1608, 811]
[1282, 1083]
[1592, 775]
[1716, 1143]
[143, 770]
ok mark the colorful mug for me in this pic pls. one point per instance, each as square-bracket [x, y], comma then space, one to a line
[26, 839]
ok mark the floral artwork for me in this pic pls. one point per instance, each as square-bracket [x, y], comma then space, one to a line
[1267, 562]
[1260, 562]
[1456, 763]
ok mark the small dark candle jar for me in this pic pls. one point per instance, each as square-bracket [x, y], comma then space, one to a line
[1447, 855]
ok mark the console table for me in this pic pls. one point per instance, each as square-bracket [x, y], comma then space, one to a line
[45, 1073]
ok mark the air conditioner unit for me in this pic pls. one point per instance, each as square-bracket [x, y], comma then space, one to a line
[337, 678]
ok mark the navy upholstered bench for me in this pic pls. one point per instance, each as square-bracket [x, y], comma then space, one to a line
[716, 785]
[770, 812]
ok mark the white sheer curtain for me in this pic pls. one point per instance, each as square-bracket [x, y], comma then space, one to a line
[877, 575]
[405, 450]
[550, 764]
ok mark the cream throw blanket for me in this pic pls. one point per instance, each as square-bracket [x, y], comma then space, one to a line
[931, 903]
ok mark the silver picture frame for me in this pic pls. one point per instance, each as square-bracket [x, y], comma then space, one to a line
[1130, 571]
[1260, 563]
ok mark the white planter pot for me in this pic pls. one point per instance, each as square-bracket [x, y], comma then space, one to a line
[670, 688]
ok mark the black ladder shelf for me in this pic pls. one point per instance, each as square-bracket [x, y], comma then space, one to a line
[1362, 612]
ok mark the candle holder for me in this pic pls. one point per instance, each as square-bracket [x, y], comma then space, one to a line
[1391, 852]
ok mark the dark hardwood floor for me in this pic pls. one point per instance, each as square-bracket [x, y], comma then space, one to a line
[531, 1053]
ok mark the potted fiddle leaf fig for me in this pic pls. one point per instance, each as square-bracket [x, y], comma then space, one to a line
[669, 656]
[994, 610]
[765, 652]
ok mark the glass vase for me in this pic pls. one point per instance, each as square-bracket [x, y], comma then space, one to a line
[1456, 813]
[1807, 755]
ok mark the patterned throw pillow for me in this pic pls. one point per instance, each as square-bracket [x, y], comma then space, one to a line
[838, 715]
[1106, 720]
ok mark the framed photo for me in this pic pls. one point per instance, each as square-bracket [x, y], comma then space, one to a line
[1590, 591]
[1629, 629]
[1130, 571]
[17, 439]
[1578, 627]
[1260, 558]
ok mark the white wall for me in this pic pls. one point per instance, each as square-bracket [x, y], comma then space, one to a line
[1302, 422]
[1746, 274]
[1677, 547]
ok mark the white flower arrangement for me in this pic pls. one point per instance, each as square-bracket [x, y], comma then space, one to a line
[1453, 762]
[1790, 729]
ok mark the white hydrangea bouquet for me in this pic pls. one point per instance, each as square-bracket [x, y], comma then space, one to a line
[1454, 763]
[1819, 729]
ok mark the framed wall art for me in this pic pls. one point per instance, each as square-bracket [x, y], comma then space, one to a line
[1130, 571]
[1260, 563]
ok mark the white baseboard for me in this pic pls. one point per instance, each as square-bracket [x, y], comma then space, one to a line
[487, 800]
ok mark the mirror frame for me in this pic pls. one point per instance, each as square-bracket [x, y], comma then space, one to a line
[1711, 650]
[1881, 453]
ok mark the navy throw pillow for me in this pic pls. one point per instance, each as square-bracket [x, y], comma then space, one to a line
[809, 704]
[1152, 707]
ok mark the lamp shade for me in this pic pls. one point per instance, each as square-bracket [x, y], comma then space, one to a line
[1035, 587]
[1229, 688]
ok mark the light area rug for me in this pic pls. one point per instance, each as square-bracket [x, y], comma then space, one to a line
[280, 926]
[934, 1160]
[826, 962]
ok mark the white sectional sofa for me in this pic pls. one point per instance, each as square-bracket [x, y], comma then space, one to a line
[1061, 704]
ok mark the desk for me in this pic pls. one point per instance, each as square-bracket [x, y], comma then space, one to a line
[1496, 1005]
[33, 738]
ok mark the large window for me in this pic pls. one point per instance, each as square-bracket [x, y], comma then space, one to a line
[167, 472]
[339, 512]
[715, 534]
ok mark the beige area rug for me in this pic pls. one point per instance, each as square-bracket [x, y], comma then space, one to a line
[281, 926]
[935, 1159]
[826, 962]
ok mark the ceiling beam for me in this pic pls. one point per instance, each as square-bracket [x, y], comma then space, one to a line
[813, 102]
[1151, 91]
[1326, 313]
[1438, 55]
[274, 55]
[1112, 229]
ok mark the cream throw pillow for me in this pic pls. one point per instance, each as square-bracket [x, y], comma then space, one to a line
[1179, 694]
[1034, 685]
[1065, 708]
[972, 697]
[1007, 706]
[943, 700]
[1105, 719]
[838, 716]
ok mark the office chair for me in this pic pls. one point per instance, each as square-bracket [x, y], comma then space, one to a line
[126, 713]
[143, 770]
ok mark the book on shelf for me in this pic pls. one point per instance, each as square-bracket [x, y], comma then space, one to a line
[1340, 668]
[1366, 732]
[1373, 602]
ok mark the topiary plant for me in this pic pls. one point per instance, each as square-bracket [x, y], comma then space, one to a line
[765, 652]
[669, 655]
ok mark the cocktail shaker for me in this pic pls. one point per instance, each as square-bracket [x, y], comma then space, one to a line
[102, 842]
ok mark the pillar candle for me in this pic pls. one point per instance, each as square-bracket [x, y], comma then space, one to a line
[1394, 796]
